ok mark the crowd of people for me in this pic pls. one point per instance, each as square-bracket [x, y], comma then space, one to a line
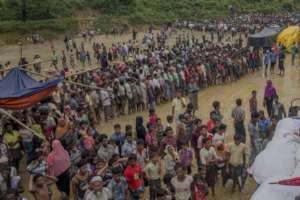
[182, 159]
[246, 23]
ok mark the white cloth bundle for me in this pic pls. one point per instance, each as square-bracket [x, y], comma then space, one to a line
[280, 160]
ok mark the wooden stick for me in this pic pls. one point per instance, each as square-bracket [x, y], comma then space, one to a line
[22, 124]
[82, 72]
[7, 69]
[67, 81]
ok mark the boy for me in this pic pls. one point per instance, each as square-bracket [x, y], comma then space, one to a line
[170, 122]
[133, 174]
[118, 185]
[118, 137]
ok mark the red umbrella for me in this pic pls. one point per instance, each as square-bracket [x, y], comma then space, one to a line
[291, 182]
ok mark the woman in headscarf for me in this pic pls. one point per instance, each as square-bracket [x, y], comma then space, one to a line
[270, 93]
[171, 158]
[140, 128]
[62, 128]
[59, 163]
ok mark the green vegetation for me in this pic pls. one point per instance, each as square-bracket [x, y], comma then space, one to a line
[61, 15]
[57, 25]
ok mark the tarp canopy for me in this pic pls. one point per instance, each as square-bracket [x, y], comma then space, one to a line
[289, 36]
[19, 90]
[264, 38]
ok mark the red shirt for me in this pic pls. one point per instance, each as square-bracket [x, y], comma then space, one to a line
[153, 119]
[132, 176]
[210, 125]
[199, 192]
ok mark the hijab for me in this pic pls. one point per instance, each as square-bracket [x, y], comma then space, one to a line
[62, 128]
[58, 160]
[270, 91]
[139, 127]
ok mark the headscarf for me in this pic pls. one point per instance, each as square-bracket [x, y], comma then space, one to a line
[58, 160]
[174, 154]
[139, 127]
[270, 91]
[62, 128]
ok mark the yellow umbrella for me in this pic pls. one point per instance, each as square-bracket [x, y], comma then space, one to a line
[289, 36]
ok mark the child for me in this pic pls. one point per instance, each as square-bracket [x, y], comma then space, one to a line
[160, 130]
[186, 157]
[118, 185]
[170, 122]
[220, 135]
[199, 188]
[141, 153]
[153, 170]
[118, 137]
[152, 117]
[151, 137]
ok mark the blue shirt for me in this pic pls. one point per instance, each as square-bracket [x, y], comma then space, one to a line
[273, 57]
[263, 126]
[267, 58]
[118, 138]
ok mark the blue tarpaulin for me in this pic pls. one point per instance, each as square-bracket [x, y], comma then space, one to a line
[18, 83]
[19, 90]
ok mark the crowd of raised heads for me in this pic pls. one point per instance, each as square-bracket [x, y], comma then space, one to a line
[247, 23]
[181, 159]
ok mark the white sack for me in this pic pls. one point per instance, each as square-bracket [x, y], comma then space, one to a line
[278, 159]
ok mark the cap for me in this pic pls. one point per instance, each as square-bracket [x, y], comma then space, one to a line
[96, 179]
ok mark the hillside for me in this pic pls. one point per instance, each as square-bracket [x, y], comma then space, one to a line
[27, 16]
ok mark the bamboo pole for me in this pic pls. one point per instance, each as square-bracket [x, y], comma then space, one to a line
[32, 63]
[82, 72]
[67, 81]
[22, 124]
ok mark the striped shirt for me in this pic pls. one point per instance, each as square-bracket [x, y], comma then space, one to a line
[238, 114]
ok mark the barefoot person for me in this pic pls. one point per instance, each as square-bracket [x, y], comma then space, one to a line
[238, 161]
[270, 93]
[238, 115]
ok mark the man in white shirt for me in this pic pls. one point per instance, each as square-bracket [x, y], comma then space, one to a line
[208, 158]
[97, 191]
[129, 95]
[106, 102]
